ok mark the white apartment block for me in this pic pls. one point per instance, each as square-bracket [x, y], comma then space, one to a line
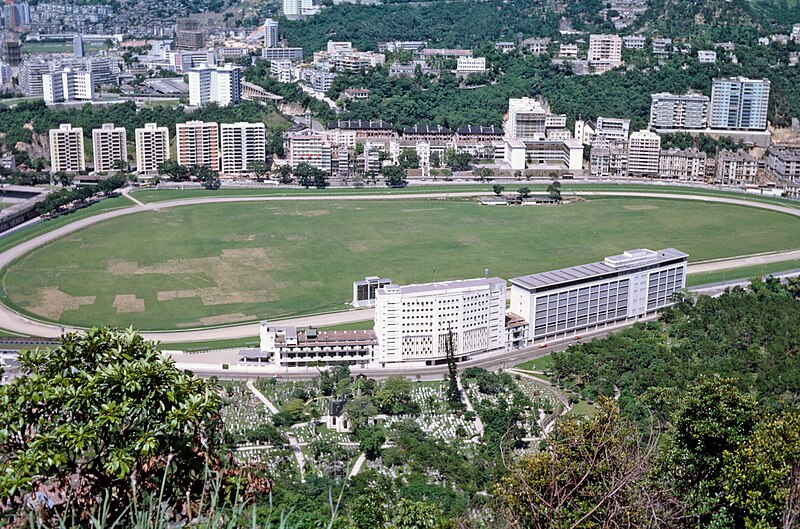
[621, 288]
[610, 130]
[66, 149]
[221, 85]
[297, 8]
[5, 73]
[198, 144]
[610, 161]
[795, 36]
[271, 36]
[467, 65]
[413, 323]
[736, 168]
[152, 148]
[110, 145]
[569, 51]
[242, 144]
[634, 42]
[678, 112]
[67, 85]
[707, 56]
[688, 164]
[644, 148]
[527, 119]
[308, 146]
[282, 70]
[605, 52]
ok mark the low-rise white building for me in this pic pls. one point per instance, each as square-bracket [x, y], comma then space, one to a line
[707, 56]
[467, 65]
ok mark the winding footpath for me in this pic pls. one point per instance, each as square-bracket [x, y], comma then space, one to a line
[17, 323]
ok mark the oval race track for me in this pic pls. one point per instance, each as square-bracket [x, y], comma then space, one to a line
[15, 322]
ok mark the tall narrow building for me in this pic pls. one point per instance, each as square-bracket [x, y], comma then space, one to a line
[66, 149]
[198, 144]
[242, 144]
[644, 149]
[271, 36]
[110, 145]
[152, 148]
[215, 85]
[739, 103]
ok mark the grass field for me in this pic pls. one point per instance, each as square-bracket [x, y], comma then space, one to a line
[228, 263]
[741, 273]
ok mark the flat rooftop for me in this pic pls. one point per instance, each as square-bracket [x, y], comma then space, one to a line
[442, 286]
[628, 261]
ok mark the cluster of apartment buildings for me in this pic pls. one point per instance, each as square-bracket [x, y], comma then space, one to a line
[230, 148]
[416, 324]
[67, 79]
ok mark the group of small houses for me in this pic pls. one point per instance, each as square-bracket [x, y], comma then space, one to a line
[414, 323]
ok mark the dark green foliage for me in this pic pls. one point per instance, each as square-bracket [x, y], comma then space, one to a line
[395, 175]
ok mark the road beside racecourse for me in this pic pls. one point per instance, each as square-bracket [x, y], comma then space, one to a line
[15, 322]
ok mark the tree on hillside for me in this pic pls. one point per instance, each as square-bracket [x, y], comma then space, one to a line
[395, 176]
[105, 415]
[394, 396]
[453, 393]
[595, 473]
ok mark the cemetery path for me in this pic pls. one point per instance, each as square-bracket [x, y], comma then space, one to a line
[297, 450]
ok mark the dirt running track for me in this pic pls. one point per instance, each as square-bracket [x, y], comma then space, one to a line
[15, 322]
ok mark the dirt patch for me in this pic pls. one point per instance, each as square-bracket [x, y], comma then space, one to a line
[52, 303]
[420, 209]
[221, 319]
[293, 237]
[169, 295]
[306, 213]
[240, 238]
[640, 207]
[125, 303]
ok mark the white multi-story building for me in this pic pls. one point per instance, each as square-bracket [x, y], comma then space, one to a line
[413, 323]
[282, 70]
[467, 65]
[271, 35]
[67, 85]
[644, 148]
[308, 146]
[621, 288]
[736, 168]
[535, 137]
[569, 51]
[610, 130]
[634, 42]
[297, 8]
[110, 145]
[5, 73]
[739, 103]
[605, 52]
[526, 119]
[66, 149]
[242, 144]
[221, 85]
[783, 162]
[198, 144]
[152, 148]
[707, 56]
[676, 112]
[30, 76]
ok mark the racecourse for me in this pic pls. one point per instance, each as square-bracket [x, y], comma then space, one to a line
[711, 217]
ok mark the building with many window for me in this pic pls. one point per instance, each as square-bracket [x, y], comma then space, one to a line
[198, 144]
[288, 346]
[66, 149]
[276, 54]
[605, 52]
[610, 130]
[644, 148]
[682, 164]
[467, 65]
[67, 85]
[678, 112]
[152, 148]
[310, 147]
[110, 145]
[221, 85]
[736, 168]
[783, 162]
[414, 323]
[271, 35]
[739, 103]
[621, 288]
[241, 145]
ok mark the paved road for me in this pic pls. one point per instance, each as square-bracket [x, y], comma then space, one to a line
[18, 323]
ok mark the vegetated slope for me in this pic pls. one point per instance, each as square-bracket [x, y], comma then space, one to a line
[717, 20]
[442, 24]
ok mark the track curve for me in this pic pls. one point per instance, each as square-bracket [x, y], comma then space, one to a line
[18, 323]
